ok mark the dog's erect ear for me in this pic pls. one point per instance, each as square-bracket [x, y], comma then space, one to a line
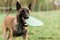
[29, 6]
[18, 6]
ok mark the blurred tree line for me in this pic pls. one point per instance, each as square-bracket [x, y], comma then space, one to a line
[37, 5]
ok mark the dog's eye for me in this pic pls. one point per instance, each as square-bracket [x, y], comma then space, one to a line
[27, 11]
[22, 11]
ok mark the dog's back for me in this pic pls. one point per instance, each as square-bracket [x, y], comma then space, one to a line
[8, 22]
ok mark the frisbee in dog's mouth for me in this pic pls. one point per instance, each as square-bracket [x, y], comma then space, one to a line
[32, 21]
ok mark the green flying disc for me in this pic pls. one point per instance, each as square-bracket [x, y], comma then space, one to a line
[32, 21]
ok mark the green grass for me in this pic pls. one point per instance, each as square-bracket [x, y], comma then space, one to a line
[49, 31]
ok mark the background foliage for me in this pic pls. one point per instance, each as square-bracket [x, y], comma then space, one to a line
[37, 5]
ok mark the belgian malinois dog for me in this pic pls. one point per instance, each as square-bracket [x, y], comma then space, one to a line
[16, 25]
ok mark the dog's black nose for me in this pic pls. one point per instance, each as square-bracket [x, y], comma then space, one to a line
[27, 17]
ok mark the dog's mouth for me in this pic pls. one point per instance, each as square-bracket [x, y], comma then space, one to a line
[26, 17]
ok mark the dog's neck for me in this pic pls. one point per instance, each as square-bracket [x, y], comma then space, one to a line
[21, 20]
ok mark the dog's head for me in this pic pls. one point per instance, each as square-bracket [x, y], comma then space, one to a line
[23, 12]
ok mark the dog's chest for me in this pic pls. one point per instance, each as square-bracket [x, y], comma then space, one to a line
[18, 29]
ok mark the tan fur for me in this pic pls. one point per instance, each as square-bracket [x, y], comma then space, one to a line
[9, 22]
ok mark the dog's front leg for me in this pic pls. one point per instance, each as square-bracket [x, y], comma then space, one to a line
[11, 34]
[25, 36]
[4, 31]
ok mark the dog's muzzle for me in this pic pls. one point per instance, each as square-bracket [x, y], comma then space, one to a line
[26, 17]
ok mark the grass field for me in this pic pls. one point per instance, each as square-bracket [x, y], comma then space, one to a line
[49, 31]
